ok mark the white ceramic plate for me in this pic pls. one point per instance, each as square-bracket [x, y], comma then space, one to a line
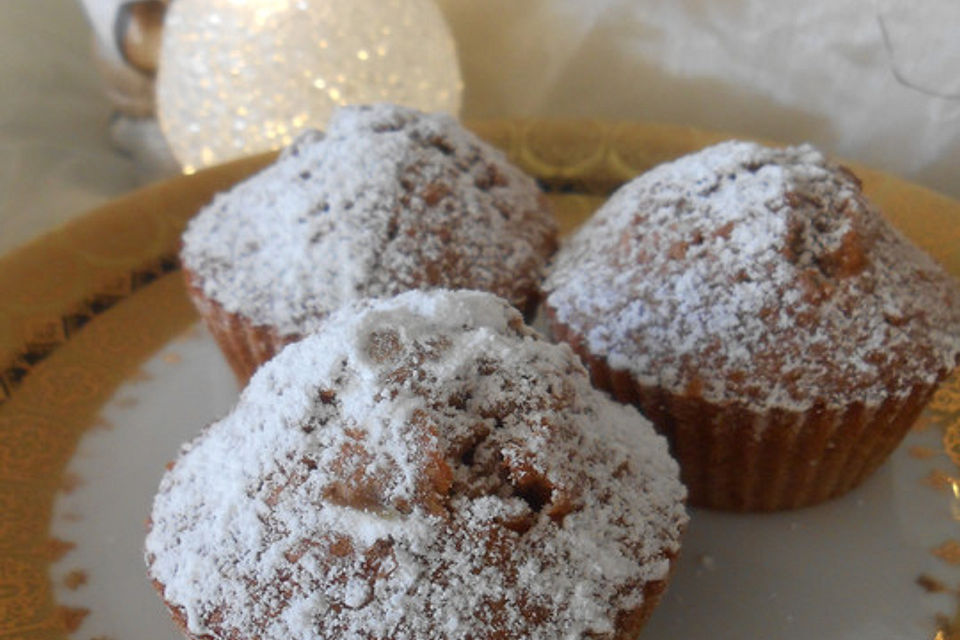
[95, 401]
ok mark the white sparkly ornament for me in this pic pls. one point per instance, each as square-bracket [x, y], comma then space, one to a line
[241, 76]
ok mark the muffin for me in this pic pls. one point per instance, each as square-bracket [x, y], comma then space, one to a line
[388, 200]
[424, 466]
[758, 309]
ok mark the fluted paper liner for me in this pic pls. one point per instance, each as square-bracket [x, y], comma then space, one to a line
[245, 346]
[735, 458]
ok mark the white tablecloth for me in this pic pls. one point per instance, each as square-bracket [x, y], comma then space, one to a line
[55, 156]
[821, 70]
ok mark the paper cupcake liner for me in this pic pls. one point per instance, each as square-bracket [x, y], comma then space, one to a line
[629, 624]
[737, 459]
[245, 345]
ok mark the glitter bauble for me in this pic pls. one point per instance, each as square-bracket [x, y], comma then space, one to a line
[241, 76]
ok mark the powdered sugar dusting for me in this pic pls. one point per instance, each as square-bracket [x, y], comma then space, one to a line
[757, 275]
[388, 200]
[426, 466]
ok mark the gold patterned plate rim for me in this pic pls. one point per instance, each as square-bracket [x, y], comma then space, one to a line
[87, 304]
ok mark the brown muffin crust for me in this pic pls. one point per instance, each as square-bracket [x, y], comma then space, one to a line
[425, 466]
[386, 200]
[758, 309]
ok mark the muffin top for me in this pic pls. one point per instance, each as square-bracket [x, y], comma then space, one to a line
[757, 275]
[425, 466]
[388, 200]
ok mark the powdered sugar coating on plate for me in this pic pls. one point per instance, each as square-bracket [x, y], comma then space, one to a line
[757, 275]
[389, 199]
[425, 466]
